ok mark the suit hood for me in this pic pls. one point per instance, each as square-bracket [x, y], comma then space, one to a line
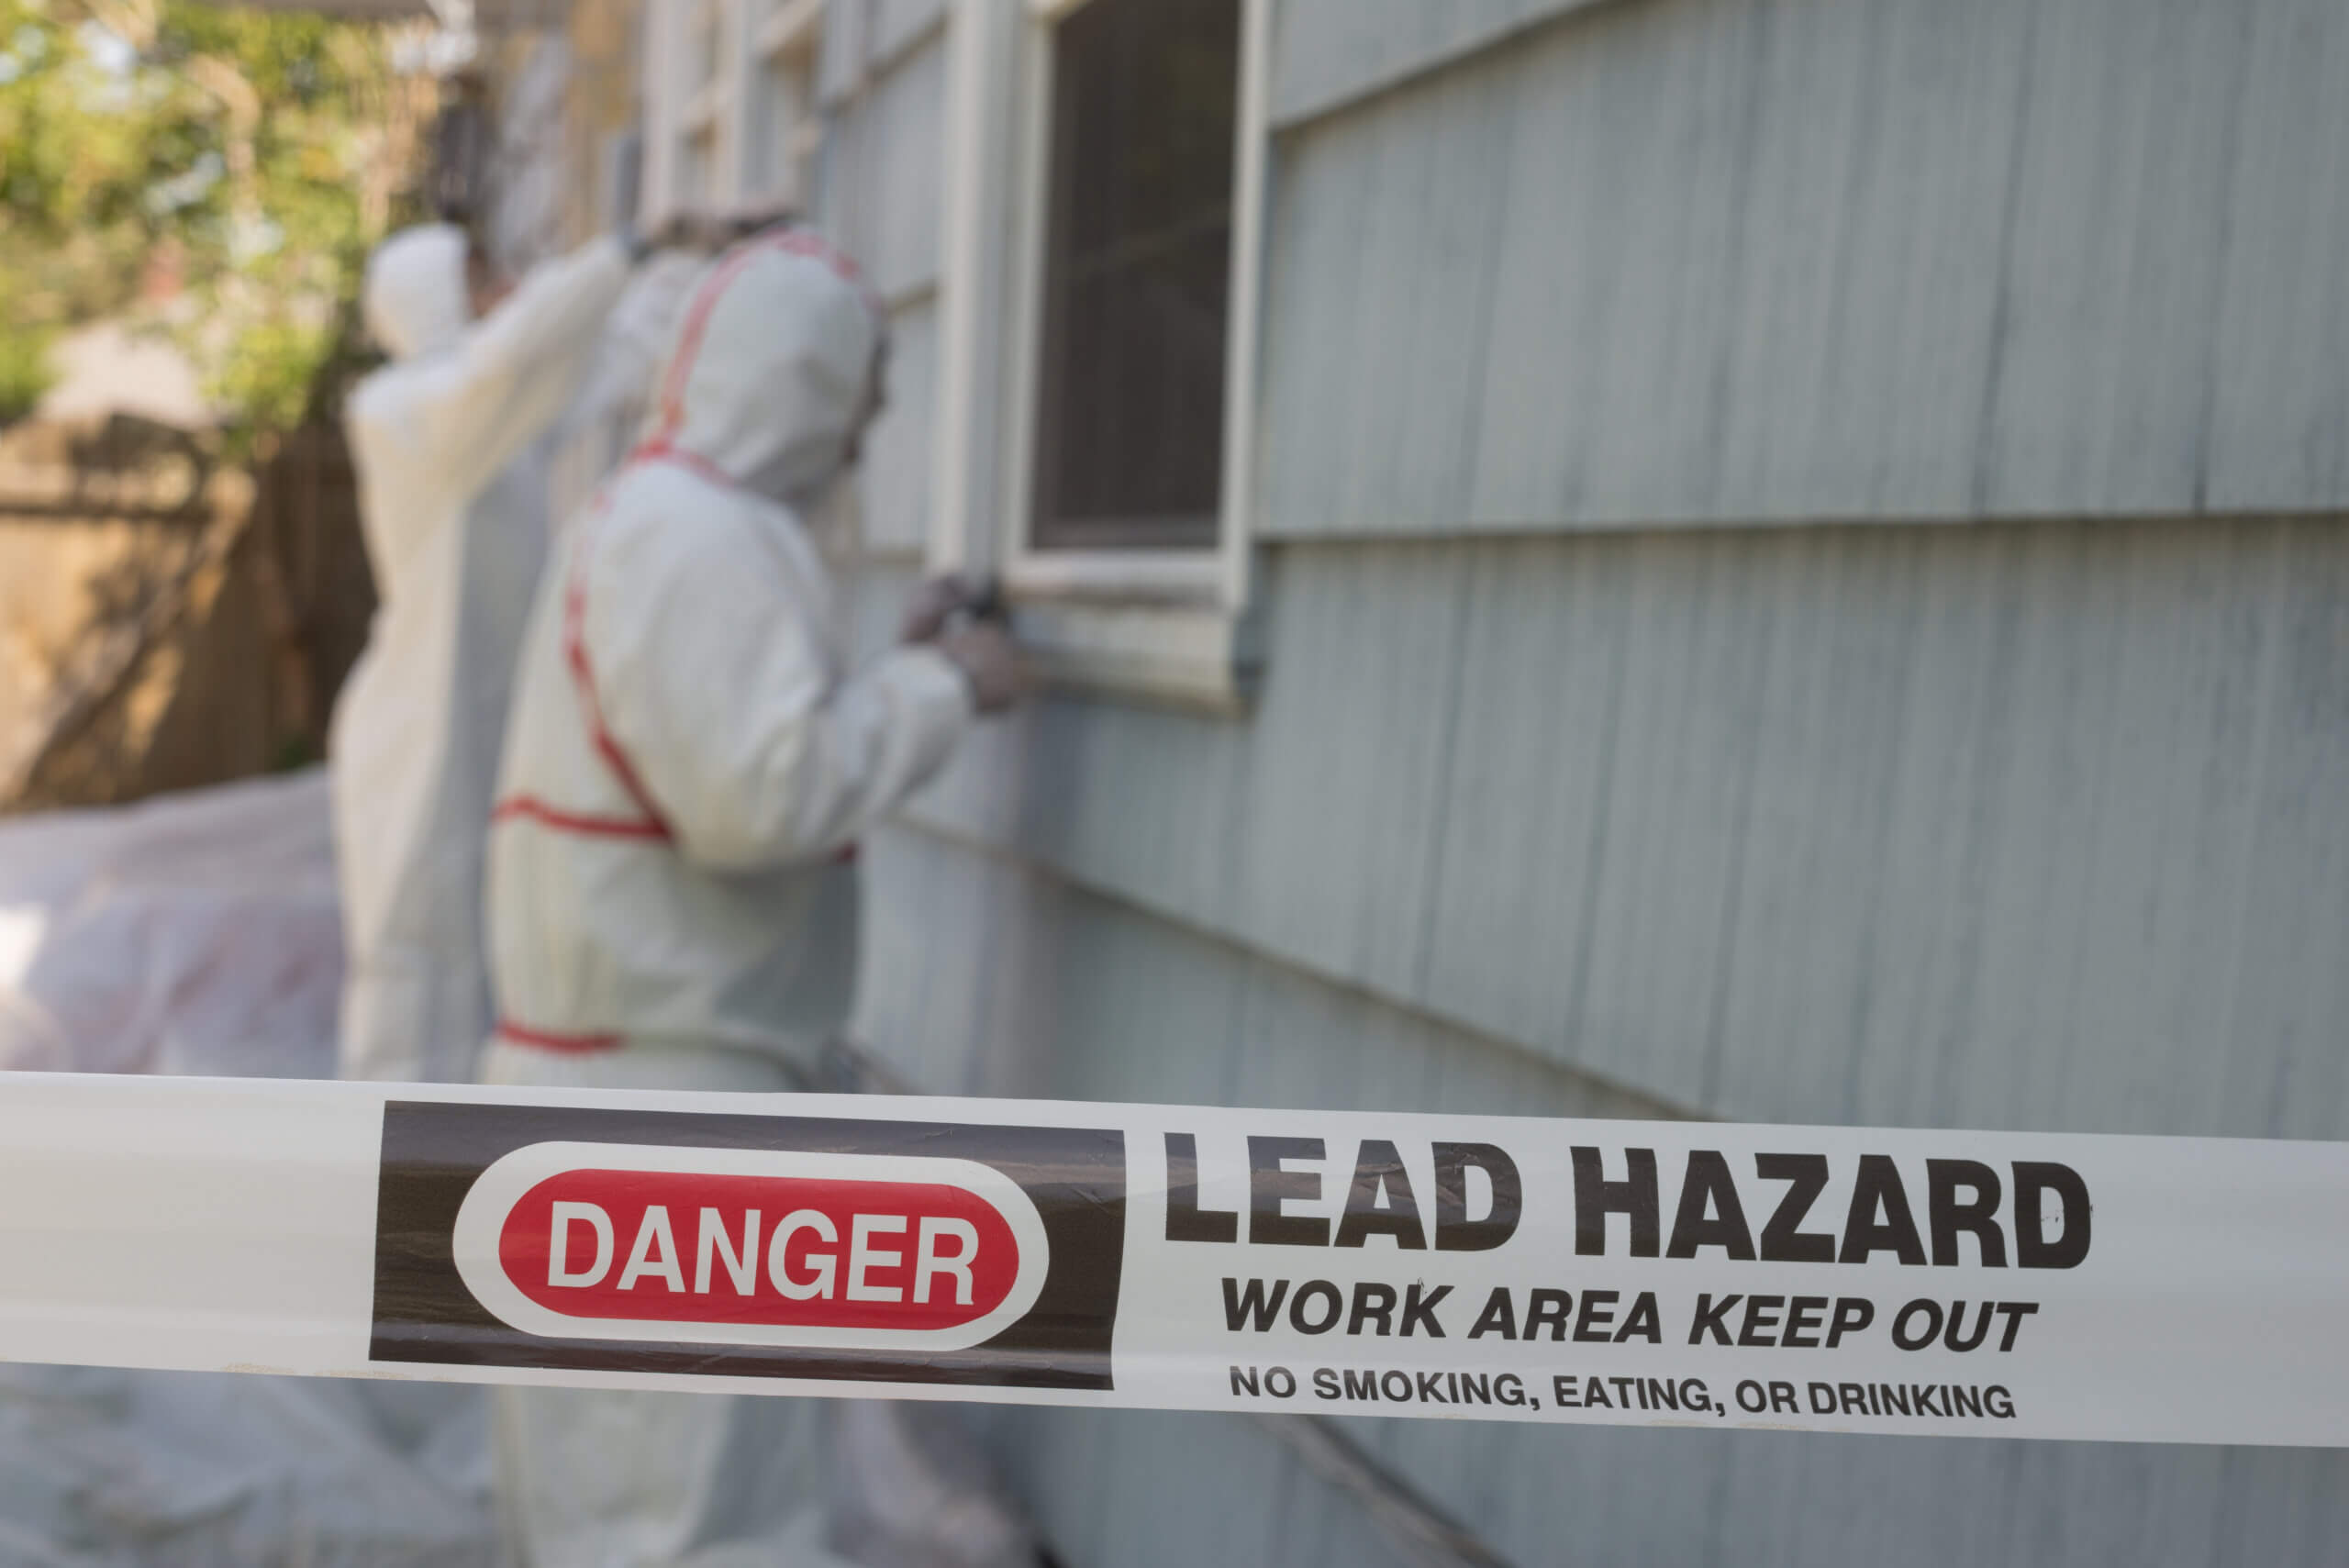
[775, 372]
[414, 298]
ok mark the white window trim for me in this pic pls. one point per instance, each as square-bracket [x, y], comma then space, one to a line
[1172, 624]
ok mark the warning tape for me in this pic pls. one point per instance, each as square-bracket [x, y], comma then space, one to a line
[1830, 1279]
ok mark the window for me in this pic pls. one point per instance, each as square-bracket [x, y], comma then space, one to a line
[1101, 263]
[1136, 277]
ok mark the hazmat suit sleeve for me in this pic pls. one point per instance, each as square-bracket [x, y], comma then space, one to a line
[712, 681]
[614, 381]
[473, 408]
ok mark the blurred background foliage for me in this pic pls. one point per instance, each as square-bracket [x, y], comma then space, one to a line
[214, 175]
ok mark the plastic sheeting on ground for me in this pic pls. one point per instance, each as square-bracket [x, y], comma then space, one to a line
[193, 933]
[193, 1470]
[198, 934]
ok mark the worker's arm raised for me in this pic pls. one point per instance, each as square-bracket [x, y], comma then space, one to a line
[514, 369]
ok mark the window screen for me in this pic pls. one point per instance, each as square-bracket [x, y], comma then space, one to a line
[1137, 270]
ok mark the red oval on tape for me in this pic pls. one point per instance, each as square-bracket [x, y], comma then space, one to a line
[819, 1250]
[693, 1247]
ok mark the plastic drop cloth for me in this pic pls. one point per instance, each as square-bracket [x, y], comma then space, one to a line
[198, 933]
[193, 933]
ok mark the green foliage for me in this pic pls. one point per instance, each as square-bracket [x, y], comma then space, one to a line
[24, 372]
[217, 175]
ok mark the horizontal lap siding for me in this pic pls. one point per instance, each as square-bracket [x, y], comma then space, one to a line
[862, 35]
[1725, 261]
[2023, 825]
[987, 975]
[885, 173]
[1135, 1490]
[2032, 825]
[898, 23]
[2280, 424]
[893, 483]
[882, 195]
[1746, 1500]
[1126, 1489]
[1329, 52]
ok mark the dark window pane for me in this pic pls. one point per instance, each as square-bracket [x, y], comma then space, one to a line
[1137, 267]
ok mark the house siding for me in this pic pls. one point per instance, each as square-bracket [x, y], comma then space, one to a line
[880, 199]
[1327, 54]
[2025, 825]
[989, 970]
[1732, 261]
[1593, 773]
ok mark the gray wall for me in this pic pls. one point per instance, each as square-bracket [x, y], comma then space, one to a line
[884, 73]
[987, 975]
[2029, 825]
[1807, 579]
[2019, 826]
[1751, 261]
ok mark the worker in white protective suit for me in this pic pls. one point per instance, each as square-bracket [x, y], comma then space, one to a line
[616, 388]
[671, 893]
[453, 513]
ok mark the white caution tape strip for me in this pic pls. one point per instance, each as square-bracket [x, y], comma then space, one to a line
[2187, 1290]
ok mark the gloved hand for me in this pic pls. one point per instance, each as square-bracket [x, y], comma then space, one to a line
[933, 604]
[983, 650]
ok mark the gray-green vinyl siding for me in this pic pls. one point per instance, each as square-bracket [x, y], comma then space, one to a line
[1134, 1490]
[882, 203]
[886, 171]
[2031, 822]
[2025, 825]
[987, 975]
[865, 36]
[893, 483]
[1735, 262]
[1327, 54]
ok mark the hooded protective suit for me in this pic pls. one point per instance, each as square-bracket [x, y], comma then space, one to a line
[669, 904]
[688, 757]
[606, 414]
[455, 530]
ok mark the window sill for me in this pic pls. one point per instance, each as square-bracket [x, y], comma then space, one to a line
[1198, 658]
[1177, 578]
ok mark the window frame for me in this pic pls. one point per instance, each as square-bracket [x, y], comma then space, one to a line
[1001, 98]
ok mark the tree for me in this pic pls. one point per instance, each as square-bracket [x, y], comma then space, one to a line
[217, 175]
